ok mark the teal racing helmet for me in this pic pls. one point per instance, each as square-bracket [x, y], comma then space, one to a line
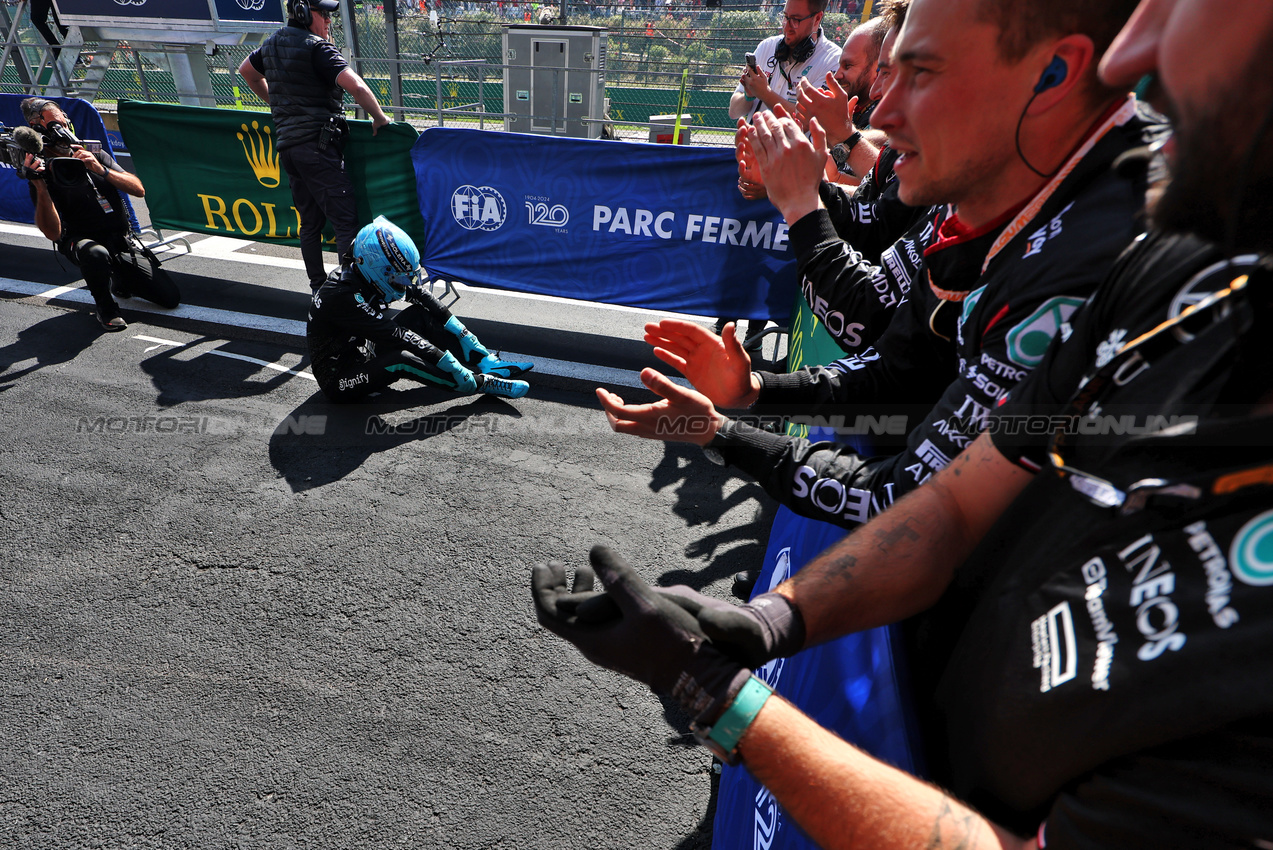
[387, 257]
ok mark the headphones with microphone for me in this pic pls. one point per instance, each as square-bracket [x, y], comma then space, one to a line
[299, 11]
[797, 54]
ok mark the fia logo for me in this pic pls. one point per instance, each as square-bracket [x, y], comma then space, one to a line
[258, 147]
[541, 213]
[478, 208]
[130, 2]
[251, 5]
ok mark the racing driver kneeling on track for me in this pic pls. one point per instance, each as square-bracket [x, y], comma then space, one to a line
[357, 348]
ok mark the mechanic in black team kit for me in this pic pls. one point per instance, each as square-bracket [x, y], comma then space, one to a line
[1096, 667]
[303, 78]
[356, 348]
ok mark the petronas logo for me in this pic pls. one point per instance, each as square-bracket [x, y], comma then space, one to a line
[1029, 339]
[258, 147]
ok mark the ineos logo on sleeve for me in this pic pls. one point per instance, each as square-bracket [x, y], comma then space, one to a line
[478, 208]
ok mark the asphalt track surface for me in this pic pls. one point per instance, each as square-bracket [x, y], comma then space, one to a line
[234, 615]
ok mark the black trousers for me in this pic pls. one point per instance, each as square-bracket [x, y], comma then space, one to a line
[40, 10]
[322, 192]
[357, 376]
[101, 259]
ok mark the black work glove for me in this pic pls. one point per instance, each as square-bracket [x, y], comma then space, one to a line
[652, 639]
[768, 627]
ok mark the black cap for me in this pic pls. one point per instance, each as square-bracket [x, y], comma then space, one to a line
[295, 7]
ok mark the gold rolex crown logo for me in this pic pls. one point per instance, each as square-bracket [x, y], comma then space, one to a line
[258, 147]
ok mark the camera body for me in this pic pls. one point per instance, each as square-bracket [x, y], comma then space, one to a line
[57, 134]
[15, 144]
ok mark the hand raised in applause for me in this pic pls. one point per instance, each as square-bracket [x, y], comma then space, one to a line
[718, 366]
[791, 163]
[832, 107]
[680, 416]
[750, 184]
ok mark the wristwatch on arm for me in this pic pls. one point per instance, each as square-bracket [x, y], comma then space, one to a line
[841, 152]
[722, 736]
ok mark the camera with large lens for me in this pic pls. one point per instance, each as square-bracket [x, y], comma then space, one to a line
[15, 144]
[58, 135]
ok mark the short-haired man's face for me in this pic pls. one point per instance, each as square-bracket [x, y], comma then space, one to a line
[51, 114]
[884, 71]
[952, 105]
[1216, 90]
[321, 24]
[856, 72]
[799, 21]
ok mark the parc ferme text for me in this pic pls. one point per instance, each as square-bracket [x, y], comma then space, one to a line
[704, 228]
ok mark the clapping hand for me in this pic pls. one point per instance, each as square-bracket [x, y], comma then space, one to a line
[831, 106]
[718, 366]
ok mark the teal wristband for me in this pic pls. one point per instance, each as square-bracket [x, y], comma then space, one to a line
[722, 737]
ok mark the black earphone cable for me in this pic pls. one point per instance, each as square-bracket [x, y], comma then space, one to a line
[1017, 139]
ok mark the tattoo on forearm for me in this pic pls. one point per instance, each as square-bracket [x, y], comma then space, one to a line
[892, 536]
[954, 828]
[834, 571]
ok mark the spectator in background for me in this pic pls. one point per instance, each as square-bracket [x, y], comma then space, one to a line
[871, 217]
[782, 61]
[858, 63]
[844, 105]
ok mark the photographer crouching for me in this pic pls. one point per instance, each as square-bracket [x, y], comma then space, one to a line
[78, 206]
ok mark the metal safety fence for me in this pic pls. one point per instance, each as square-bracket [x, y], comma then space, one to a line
[440, 62]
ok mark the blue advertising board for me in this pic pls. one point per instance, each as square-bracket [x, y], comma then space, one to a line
[254, 11]
[660, 227]
[855, 686]
[102, 11]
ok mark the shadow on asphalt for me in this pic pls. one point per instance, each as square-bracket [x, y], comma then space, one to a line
[173, 371]
[319, 442]
[701, 500]
[48, 343]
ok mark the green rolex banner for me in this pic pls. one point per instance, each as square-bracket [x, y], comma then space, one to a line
[216, 171]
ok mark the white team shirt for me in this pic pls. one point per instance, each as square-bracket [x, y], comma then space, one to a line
[784, 80]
